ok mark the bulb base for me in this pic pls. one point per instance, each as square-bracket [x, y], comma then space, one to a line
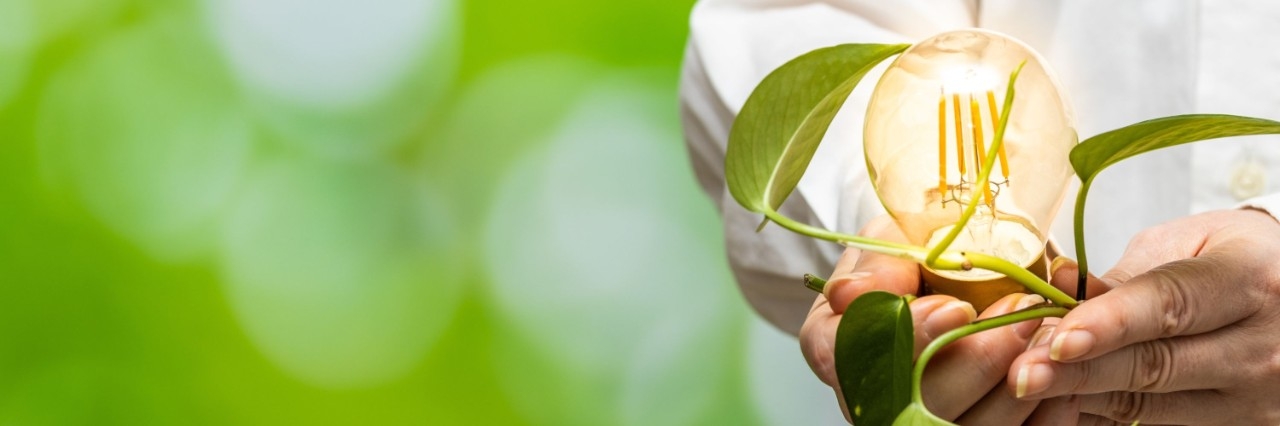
[980, 293]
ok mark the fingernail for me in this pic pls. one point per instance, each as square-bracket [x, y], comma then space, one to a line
[1058, 263]
[1028, 300]
[1026, 328]
[1071, 345]
[947, 317]
[841, 281]
[1033, 379]
[854, 276]
[1041, 336]
[927, 304]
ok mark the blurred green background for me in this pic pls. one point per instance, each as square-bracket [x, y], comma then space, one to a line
[347, 212]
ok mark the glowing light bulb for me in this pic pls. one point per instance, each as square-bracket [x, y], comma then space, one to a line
[929, 124]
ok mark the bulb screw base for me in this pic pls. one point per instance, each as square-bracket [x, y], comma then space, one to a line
[980, 293]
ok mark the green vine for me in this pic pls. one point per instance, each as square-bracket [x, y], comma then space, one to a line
[776, 135]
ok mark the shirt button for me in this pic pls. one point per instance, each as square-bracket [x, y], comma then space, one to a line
[1249, 180]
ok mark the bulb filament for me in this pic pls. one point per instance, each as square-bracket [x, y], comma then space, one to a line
[975, 141]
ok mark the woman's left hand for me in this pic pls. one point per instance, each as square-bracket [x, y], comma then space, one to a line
[1188, 334]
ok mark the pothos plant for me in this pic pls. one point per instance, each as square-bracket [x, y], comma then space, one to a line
[771, 145]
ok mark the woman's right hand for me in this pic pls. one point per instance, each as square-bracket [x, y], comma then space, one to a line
[964, 382]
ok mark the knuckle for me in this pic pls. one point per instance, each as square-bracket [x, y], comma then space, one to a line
[992, 356]
[1126, 406]
[818, 354]
[1269, 288]
[1174, 300]
[1271, 367]
[1269, 415]
[1153, 366]
[1080, 380]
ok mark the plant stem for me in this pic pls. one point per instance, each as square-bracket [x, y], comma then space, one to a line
[1022, 276]
[816, 232]
[991, 263]
[1034, 312]
[949, 261]
[959, 226]
[1082, 276]
[814, 283]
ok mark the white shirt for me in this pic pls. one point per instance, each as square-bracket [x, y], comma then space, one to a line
[1120, 62]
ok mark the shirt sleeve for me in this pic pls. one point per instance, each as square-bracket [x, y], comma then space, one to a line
[1269, 203]
[732, 46]
[767, 265]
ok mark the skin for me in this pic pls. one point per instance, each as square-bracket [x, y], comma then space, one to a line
[1189, 332]
[977, 362]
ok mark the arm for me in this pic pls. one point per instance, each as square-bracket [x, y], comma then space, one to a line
[732, 46]
[767, 265]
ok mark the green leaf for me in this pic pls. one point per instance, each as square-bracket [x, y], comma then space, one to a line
[1096, 153]
[873, 357]
[916, 415]
[784, 119]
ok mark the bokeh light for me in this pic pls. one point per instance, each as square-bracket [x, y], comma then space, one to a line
[325, 278]
[144, 127]
[580, 248]
[341, 212]
[17, 36]
[488, 131]
[344, 78]
[13, 69]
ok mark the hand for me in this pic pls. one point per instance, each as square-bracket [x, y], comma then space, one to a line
[1187, 335]
[964, 380]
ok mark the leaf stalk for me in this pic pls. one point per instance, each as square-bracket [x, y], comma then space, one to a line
[1033, 312]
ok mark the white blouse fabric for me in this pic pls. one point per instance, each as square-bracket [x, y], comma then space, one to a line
[1119, 62]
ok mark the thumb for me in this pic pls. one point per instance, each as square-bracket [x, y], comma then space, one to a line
[1177, 240]
[872, 271]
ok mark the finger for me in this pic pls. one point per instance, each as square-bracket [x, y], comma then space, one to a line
[845, 264]
[1087, 419]
[1064, 274]
[933, 315]
[975, 363]
[1060, 411]
[937, 314]
[998, 407]
[1037, 349]
[1183, 408]
[1179, 298]
[1096, 420]
[1162, 365]
[874, 271]
[818, 341]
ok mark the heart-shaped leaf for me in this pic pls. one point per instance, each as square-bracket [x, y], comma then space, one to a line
[1096, 153]
[874, 357]
[779, 128]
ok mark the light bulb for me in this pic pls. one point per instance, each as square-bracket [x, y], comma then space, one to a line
[928, 127]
